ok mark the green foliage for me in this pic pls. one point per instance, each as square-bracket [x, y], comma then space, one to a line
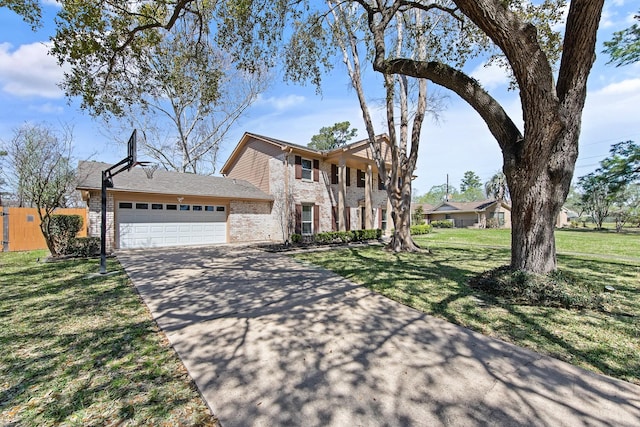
[471, 195]
[63, 229]
[437, 194]
[613, 186]
[443, 223]
[333, 136]
[624, 47]
[296, 238]
[421, 229]
[497, 187]
[470, 181]
[347, 236]
[28, 9]
[84, 247]
[553, 290]
[418, 216]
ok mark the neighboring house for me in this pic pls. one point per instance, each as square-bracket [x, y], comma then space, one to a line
[473, 214]
[270, 190]
[314, 191]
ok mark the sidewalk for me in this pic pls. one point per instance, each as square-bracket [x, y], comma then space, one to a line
[271, 342]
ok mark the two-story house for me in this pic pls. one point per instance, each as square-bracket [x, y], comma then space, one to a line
[313, 191]
[271, 189]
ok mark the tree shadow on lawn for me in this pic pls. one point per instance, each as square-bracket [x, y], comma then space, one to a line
[437, 284]
[84, 348]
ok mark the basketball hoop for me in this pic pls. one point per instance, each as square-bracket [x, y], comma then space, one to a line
[149, 168]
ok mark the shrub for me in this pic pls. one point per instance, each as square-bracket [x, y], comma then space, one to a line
[296, 238]
[85, 246]
[347, 236]
[556, 289]
[64, 229]
[421, 229]
[443, 223]
[493, 223]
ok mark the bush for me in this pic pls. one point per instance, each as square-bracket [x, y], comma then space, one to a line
[64, 229]
[556, 289]
[296, 238]
[493, 223]
[443, 223]
[330, 237]
[85, 246]
[421, 229]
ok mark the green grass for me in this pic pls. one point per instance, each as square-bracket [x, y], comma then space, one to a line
[605, 341]
[608, 244]
[82, 351]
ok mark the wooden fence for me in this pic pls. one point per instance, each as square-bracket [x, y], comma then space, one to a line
[20, 228]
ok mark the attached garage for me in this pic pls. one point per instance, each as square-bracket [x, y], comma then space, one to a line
[173, 209]
[145, 224]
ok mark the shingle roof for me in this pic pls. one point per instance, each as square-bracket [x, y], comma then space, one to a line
[166, 182]
[468, 206]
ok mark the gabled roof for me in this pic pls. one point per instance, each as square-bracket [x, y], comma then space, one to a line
[296, 148]
[468, 206]
[426, 207]
[167, 182]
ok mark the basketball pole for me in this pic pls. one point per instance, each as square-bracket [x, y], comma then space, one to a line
[107, 182]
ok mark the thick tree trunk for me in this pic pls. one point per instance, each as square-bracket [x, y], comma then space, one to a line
[400, 198]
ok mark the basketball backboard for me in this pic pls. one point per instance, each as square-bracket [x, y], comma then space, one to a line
[132, 150]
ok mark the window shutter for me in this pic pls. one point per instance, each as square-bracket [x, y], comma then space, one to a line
[334, 218]
[298, 162]
[316, 219]
[316, 170]
[334, 174]
[348, 177]
[348, 224]
[380, 218]
[380, 183]
[360, 180]
[298, 226]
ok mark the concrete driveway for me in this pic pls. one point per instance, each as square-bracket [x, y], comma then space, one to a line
[272, 342]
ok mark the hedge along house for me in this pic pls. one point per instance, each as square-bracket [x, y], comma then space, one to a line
[314, 191]
[175, 209]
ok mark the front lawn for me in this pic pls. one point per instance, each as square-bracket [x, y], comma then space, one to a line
[605, 341]
[84, 351]
[607, 244]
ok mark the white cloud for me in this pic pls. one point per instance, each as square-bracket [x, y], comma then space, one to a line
[280, 102]
[47, 108]
[490, 76]
[30, 71]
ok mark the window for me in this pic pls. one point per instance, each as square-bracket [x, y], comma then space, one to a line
[185, 207]
[172, 207]
[219, 208]
[307, 219]
[307, 169]
[197, 208]
[361, 178]
[142, 205]
[381, 185]
[363, 217]
[500, 217]
[334, 174]
[156, 206]
[125, 205]
[209, 208]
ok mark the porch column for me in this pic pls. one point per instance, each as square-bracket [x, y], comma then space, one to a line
[342, 195]
[368, 196]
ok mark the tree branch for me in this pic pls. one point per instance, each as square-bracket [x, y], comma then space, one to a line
[498, 121]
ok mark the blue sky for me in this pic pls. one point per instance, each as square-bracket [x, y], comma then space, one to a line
[460, 141]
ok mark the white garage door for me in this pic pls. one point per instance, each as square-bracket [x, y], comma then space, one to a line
[146, 224]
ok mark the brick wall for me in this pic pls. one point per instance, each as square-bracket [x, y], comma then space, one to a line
[95, 218]
[252, 222]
